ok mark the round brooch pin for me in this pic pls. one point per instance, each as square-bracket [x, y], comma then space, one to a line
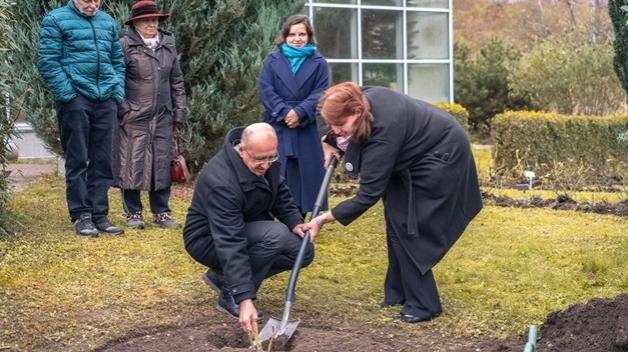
[349, 167]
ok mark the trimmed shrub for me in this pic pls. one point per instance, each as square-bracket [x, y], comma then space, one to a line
[566, 151]
[458, 111]
[6, 123]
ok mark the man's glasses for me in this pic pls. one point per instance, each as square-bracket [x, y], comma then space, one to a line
[259, 161]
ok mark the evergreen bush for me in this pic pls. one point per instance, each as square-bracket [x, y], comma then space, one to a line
[481, 82]
[568, 76]
[618, 12]
[221, 45]
[566, 151]
[6, 123]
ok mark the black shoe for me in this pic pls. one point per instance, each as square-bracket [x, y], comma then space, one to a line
[227, 304]
[84, 226]
[388, 305]
[412, 319]
[109, 228]
[214, 280]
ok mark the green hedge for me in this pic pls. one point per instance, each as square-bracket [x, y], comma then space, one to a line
[458, 111]
[572, 151]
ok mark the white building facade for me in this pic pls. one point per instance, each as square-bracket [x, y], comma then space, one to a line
[406, 45]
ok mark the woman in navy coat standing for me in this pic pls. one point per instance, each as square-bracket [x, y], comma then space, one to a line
[292, 80]
[418, 160]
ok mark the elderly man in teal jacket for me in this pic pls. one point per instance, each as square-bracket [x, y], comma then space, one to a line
[81, 60]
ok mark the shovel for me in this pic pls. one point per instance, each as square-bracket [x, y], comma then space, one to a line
[285, 328]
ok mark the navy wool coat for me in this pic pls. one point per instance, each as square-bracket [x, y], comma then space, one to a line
[418, 160]
[300, 152]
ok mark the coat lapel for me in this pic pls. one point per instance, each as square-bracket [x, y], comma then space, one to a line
[353, 158]
[282, 67]
[307, 69]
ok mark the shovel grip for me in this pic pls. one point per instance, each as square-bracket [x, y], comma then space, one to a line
[322, 192]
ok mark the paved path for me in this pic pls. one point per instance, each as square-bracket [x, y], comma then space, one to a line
[22, 174]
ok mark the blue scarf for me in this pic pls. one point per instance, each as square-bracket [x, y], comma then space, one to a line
[296, 56]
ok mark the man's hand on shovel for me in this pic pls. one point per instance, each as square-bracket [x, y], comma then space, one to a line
[301, 229]
[248, 315]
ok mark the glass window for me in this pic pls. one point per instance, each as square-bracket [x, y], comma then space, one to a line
[429, 82]
[336, 32]
[382, 34]
[342, 72]
[384, 75]
[382, 2]
[428, 35]
[337, 1]
[441, 4]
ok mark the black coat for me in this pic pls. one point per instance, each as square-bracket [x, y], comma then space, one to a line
[418, 160]
[227, 195]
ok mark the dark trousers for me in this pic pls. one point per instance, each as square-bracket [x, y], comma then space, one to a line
[87, 130]
[158, 201]
[406, 285]
[272, 249]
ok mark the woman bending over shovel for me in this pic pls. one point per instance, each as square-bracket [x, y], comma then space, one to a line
[418, 160]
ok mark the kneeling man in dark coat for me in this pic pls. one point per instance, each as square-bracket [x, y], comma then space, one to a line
[231, 227]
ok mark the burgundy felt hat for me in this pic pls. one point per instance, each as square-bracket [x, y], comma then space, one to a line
[145, 9]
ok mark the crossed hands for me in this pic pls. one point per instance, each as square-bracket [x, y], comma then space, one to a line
[292, 119]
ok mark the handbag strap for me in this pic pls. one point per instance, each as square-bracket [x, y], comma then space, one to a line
[177, 142]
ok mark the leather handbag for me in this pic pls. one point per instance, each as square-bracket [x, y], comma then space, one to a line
[179, 172]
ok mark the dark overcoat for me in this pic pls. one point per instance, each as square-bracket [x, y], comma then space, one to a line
[281, 91]
[418, 160]
[228, 195]
[155, 99]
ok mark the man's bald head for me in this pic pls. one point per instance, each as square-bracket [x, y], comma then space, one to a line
[258, 147]
[260, 132]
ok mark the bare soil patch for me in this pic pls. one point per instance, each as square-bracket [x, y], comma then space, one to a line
[600, 325]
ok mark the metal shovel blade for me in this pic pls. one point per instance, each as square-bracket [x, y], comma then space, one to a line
[272, 329]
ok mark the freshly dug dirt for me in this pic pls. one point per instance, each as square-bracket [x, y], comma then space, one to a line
[227, 337]
[600, 325]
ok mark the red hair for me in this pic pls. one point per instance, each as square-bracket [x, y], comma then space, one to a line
[342, 101]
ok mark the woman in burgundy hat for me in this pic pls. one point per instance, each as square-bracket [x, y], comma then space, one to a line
[155, 104]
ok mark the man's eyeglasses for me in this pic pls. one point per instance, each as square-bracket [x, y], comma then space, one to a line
[258, 161]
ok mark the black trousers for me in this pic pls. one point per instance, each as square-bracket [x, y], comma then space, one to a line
[406, 285]
[87, 130]
[158, 201]
[272, 249]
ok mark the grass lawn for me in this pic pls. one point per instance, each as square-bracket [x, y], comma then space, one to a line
[510, 269]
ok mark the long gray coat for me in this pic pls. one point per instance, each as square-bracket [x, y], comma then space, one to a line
[155, 99]
[418, 160]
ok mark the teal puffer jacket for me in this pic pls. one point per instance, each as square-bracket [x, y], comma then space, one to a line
[81, 55]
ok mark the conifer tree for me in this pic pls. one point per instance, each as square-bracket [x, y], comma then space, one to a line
[6, 123]
[221, 45]
[618, 12]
